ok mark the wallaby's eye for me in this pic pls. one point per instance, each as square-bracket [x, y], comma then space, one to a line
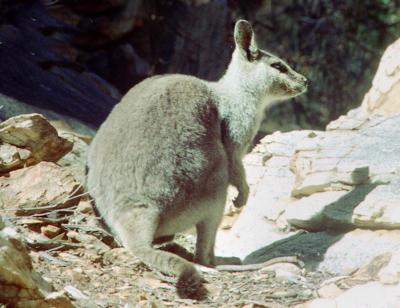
[280, 67]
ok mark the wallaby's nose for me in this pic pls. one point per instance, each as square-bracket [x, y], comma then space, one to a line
[307, 82]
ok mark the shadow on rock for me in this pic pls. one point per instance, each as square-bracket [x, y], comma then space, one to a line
[335, 219]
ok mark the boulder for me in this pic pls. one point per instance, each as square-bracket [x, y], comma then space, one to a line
[20, 285]
[383, 97]
[28, 139]
[37, 189]
[10, 107]
[348, 179]
[340, 160]
[341, 185]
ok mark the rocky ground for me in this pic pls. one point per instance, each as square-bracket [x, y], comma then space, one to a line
[325, 201]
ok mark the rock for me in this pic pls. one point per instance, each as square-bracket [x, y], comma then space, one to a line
[21, 286]
[75, 160]
[378, 209]
[10, 107]
[371, 294]
[317, 181]
[48, 74]
[383, 96]
[54, 299]
[30, 139]
[284, 271]
[310, 213]
[327, 162]
[371, 178]
[270, 180]
[75, 293]
[336, 253]
[51, 231]
[12, 157]
[343, 186]
[90, 241]
[37, 189]
[357, 248]
[381, 100]
[390, 274]
[85, 207]
[329, 291]
[367, 272]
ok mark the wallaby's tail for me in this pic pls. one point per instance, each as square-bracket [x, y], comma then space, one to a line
[136, 228]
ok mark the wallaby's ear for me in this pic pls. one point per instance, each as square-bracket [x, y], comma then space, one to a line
[245, 40]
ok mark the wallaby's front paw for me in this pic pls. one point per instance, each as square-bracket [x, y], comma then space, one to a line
[242, 197]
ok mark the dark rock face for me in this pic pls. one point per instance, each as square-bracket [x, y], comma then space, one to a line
[38, 67]
[203, 44]
[77, 58]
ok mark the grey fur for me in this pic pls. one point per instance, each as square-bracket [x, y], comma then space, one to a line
[162, 161]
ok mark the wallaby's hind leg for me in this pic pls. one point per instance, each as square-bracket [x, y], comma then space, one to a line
[206, 233]
[136, 229]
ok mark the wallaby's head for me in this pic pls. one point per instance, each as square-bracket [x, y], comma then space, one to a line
[260, 71]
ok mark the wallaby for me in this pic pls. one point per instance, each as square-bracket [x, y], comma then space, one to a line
[162, 161]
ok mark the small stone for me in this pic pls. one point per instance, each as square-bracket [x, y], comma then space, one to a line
[51, 231]
[75, 293]
[85, 207]
[282, 268]
[312, 135]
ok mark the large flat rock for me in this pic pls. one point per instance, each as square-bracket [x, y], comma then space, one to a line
[317, 181]
[38, 189]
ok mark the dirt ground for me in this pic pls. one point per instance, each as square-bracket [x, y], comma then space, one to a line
[85, 262]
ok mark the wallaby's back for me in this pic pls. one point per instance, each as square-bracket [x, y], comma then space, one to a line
[162, 141]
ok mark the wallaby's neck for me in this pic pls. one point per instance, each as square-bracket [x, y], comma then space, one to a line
[240, 104]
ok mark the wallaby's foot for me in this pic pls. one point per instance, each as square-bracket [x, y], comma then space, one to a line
[190, 285]
[228, 260]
